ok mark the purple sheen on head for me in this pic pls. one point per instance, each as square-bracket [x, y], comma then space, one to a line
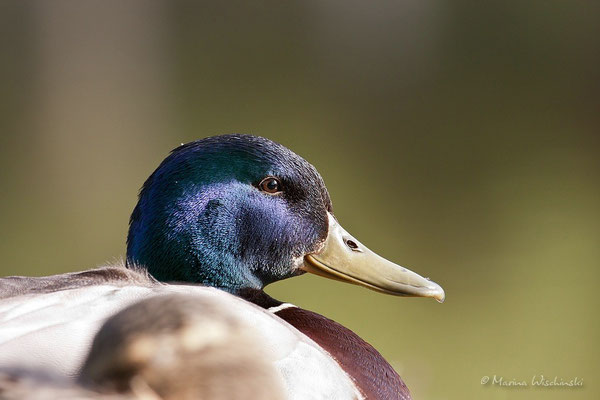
[202, 218]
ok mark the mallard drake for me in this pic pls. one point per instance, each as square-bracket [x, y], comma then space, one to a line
[233, 212]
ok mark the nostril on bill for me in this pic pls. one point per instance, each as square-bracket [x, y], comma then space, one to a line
[352, 244]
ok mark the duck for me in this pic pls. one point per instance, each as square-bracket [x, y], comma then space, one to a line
[203, 345]
[223, 216]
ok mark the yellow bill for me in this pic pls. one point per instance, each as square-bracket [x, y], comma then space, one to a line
[346, 259]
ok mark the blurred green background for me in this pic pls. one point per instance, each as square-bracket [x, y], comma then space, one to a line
[460, 139]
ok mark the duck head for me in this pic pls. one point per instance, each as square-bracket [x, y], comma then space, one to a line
[241, 211]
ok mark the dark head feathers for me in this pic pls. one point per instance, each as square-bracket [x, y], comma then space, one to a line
[202, 217]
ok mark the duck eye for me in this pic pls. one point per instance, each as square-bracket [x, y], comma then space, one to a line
[270, 185]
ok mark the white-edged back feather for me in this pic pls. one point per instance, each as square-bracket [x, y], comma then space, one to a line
[54, 330]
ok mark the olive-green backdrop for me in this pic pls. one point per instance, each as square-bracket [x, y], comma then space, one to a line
[460, 139]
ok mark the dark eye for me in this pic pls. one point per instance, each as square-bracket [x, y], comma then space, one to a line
[270, 185]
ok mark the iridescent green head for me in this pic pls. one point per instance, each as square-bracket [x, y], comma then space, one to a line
[229, 211]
